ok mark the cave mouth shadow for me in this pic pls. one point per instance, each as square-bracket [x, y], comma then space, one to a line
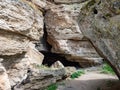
[50, 58]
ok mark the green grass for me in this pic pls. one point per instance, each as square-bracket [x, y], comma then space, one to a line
[77, 74]
[52, 87]
[107, 69]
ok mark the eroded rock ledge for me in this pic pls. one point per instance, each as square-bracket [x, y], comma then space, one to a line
[23, 22]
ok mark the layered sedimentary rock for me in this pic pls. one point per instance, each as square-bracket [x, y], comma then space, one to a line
[19, 17]
[66, 37]
[40, 78]
[100, 22]
[68, 1]
[12, 43]
[18, 65]
[20, 25]
[74, 28]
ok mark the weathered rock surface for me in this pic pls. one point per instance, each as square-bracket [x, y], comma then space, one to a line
[70, 70]
[18, 65]
[20, 25]
[41, 4]
[65, 36]
[4, 81]
[19, 17]
[57, 64]
[40, 78]
[12, 43]
[60, 22]
[68, 1]
[100, 22]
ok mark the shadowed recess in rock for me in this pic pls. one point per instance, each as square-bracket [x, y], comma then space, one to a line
[50, 58]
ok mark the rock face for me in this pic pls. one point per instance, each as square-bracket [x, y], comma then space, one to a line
[12, 43]
[66, 37]
[18, 17]
[41, 78]
[68, 1]
[18, 65]
[4, 81]
[100, 22]
[20, 25]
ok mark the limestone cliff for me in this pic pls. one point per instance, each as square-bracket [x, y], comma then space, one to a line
[83, 31]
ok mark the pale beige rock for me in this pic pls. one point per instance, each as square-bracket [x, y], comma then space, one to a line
[12, 43]
[68, 1]
[20, 17]
[40, 3]
[18, 65]
[60, 24]
[101, 25]
[57, 64]
[19, 23]
[66, 37]
[34, 55]
[4, 80]
[70, 70]
[41, 78]
[78, 51]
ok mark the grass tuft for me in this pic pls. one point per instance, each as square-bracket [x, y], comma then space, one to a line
[107, 69]
[77, 74]
[52, 87]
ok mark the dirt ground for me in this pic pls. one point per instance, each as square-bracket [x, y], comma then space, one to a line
[92, 81]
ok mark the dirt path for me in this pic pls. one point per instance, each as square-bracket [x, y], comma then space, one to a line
[90, 81]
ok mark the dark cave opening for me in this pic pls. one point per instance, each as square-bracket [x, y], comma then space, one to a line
[43, 45]
[50, 58]
[95, 11]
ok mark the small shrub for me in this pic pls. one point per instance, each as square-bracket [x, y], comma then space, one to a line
[77, 74]
[52, 87]
[107, 69]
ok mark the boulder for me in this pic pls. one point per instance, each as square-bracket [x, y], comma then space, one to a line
[65, 36]
[99, 20]
[57, 64]
[18, 65]
[40, 78]
[70, 70]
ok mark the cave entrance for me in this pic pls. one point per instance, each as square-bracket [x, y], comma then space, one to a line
[50, 58]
